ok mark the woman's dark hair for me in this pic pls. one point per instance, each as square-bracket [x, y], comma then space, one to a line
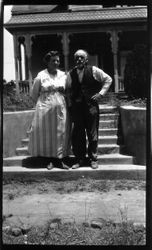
[50, 54]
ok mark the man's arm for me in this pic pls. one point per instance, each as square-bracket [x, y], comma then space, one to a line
[102, 77]
[105, 80]
[36, 89]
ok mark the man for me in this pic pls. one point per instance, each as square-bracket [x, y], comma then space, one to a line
[85, 86]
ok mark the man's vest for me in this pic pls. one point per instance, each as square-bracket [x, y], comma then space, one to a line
[87, 88]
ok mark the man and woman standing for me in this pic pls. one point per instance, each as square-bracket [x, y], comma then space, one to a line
[59, 96]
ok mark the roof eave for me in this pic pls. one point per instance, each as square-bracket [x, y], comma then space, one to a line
[11, 27]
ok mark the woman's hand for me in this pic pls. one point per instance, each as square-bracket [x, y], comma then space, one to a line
[51, 88]
[60, 89]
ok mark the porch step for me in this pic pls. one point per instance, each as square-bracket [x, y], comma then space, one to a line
[112, 167]
[107, 139]
[110, 116]
[116, 159]
[107, 172]
[25, 142]
[104, 108]
[108, 131]
[14, 160]
[104, 159]
[108, 124]
[102, 148]
[22, 151]
[108, 149]
[111, 139]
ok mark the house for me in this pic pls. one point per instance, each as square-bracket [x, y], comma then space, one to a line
[107, 33]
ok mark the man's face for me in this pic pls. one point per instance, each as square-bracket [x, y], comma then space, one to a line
[80, 59]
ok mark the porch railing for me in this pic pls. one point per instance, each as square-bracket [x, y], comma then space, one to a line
[24, 86]
[120, 84]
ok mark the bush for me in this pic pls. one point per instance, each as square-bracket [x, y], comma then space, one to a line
[135, 74]
[9, 88]
[17, 102]
[13, 101]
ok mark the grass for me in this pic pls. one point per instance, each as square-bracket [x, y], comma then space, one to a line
[58, 232]
[13, 188]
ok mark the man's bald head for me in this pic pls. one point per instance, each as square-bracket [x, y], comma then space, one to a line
[81, 52]
[81, 58]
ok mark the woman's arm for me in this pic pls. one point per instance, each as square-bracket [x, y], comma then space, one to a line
[36, 89]
[68, 90]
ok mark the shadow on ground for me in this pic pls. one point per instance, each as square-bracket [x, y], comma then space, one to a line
[42, 162]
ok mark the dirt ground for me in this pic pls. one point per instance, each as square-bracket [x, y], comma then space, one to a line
[34, 203]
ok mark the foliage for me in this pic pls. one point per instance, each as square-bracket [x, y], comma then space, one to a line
[135, 75]
[13, 101]
[71, 233]
[136, 102]
[17, 102]
[9, 88]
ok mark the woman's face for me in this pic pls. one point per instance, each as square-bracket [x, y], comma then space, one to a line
[54, 62]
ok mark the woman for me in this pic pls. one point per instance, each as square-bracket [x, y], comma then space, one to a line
[50, 130]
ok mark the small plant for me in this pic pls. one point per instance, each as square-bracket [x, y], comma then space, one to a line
[71, 233]
[11, 196]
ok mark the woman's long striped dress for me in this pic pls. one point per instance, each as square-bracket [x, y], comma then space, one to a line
[50, 131]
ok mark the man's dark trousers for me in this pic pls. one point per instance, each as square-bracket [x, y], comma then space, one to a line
[85, 121]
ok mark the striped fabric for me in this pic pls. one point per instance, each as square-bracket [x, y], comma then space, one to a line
[50, 129]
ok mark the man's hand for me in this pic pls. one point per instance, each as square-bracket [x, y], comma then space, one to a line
[97, 97]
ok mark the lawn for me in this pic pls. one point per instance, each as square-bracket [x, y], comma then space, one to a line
[57, 231]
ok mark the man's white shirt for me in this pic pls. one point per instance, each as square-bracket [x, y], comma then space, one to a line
[98, 75]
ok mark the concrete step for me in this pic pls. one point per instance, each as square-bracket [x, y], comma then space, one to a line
[108, 131]
[101, 167]
[14, 160]
[22, 151]
[103, 139]
[108, 139]
[108, 149]
[109, 172]
[27, 161]
[107, 109]
[108, 124]
[103, 148]
[25, 142]
[106, 127]
[115, 158]
[110, 116]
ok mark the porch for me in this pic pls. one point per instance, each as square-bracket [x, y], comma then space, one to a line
[108, 34]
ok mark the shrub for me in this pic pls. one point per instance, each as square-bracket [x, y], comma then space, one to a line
[135, 74]
[9, 88]
[16, 102]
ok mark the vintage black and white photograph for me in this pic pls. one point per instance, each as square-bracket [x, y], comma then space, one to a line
[75, 91]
